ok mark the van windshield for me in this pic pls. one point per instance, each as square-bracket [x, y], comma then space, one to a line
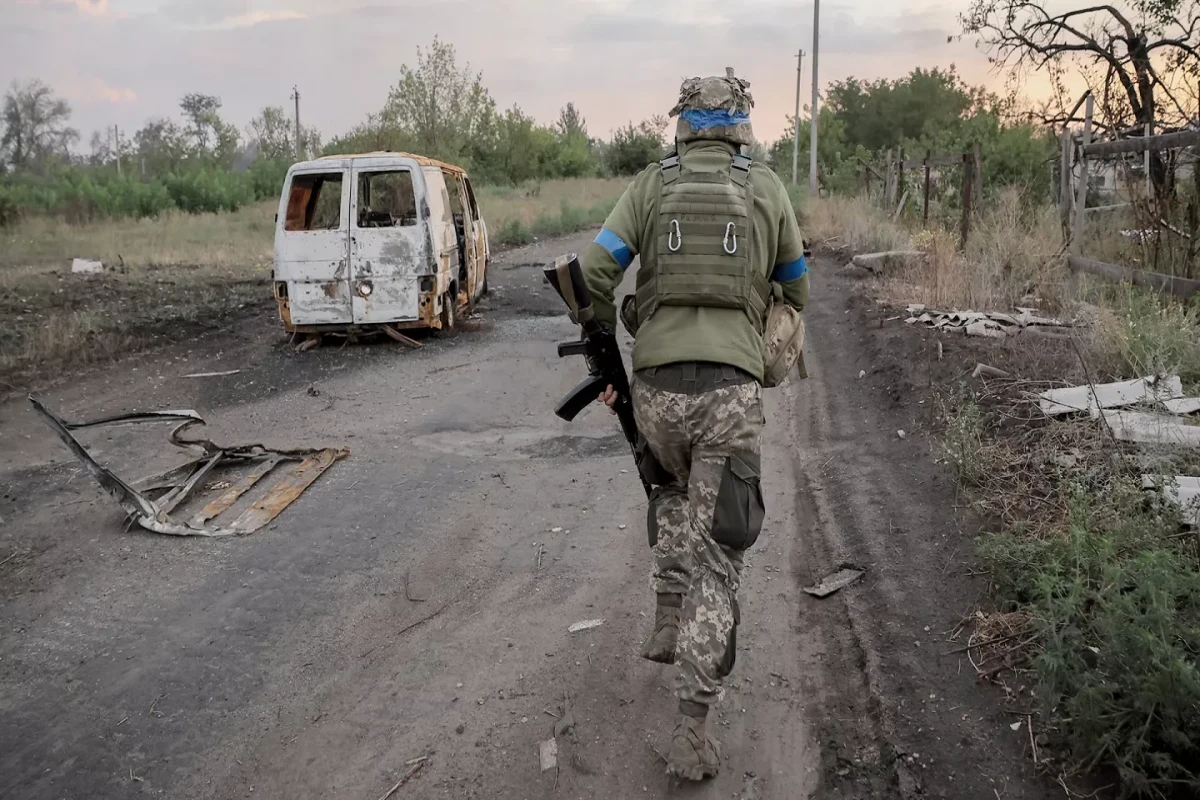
[386, 199]
[315, 202]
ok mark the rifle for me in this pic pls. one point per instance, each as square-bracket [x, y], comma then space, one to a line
[599, 348]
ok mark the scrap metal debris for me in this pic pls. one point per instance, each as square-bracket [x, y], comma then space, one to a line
[845, 576]
[177, 484]
[976, 323]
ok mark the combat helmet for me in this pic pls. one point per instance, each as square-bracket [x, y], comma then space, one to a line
[714, 108]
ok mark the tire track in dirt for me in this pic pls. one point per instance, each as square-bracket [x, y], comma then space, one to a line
[881, 502]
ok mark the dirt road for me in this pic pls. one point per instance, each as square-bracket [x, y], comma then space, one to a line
[416, 600]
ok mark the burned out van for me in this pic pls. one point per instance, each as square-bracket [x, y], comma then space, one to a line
[377, 240]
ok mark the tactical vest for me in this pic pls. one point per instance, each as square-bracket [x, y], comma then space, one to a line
[702, 253]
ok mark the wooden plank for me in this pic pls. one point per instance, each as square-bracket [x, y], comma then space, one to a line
[1164, 141]
[1166, 284]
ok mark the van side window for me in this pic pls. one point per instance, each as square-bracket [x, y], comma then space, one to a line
[386, 199]
[315, 202]
[471, 197]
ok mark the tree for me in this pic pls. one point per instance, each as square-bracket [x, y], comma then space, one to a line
[160, 146]
[210, 135]
[442, 108]
[1134, 58]
[274, 134]
[634, 148]
[571, 123]
[882, 114]
[35, 125]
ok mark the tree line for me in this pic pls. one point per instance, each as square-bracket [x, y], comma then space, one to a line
[199, 162]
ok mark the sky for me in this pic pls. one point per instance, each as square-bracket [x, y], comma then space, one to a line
[120, 62]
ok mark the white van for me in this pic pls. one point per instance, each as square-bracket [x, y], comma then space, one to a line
[373, 240]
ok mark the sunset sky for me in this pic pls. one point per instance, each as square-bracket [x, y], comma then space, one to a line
[122, 61]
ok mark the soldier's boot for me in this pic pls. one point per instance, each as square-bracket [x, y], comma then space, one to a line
[695, 754]
[660, 646]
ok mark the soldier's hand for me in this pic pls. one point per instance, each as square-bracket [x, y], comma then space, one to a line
[609, 398]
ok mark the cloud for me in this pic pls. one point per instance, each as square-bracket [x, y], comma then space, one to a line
[252, 18]
[90, 8]
[96, 90]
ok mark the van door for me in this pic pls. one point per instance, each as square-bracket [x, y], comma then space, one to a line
[312, 247]
[481, 234]
[469, 268]
[387, 244]
[441, 229]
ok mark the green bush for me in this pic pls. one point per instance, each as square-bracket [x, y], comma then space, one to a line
[514, 233]
[210, 191]
[1116, 601]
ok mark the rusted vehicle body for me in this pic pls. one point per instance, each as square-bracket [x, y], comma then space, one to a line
[378, 240]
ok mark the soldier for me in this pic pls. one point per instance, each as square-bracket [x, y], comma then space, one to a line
[718, 244]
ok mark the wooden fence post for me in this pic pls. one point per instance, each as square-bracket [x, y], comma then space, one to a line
[888, 182]
[1082, 187]
[968, 195]
[1081, 196]
[1064, 182]
[925, 207]
[977, 179]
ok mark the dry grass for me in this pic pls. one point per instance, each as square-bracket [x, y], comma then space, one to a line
[526, 204]
[851, 222]
[228, 241]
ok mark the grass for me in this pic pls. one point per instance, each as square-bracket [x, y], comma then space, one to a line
[182, 271]
[518, 215]
[1106, 591]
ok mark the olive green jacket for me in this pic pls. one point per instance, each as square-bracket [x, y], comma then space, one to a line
[684, 333]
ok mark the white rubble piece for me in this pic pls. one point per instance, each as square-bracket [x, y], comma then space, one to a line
[585, 625]
[994, 325]
[1091, 398]
[548, 754]
[1137, 426]
[1182, 490]
[889, 261]
[1184, 405]
[86, 266]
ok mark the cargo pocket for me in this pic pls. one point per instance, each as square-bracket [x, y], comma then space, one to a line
[738, 514]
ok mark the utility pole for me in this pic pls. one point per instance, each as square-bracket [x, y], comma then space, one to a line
[117, 145]
[299, 141]
[812, 145]
[796, 122]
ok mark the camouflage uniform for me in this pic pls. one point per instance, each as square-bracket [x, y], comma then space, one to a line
[703, 423]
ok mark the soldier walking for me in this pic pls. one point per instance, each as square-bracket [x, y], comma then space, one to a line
[719, 247]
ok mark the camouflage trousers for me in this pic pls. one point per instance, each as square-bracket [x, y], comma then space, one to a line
[703, 424]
